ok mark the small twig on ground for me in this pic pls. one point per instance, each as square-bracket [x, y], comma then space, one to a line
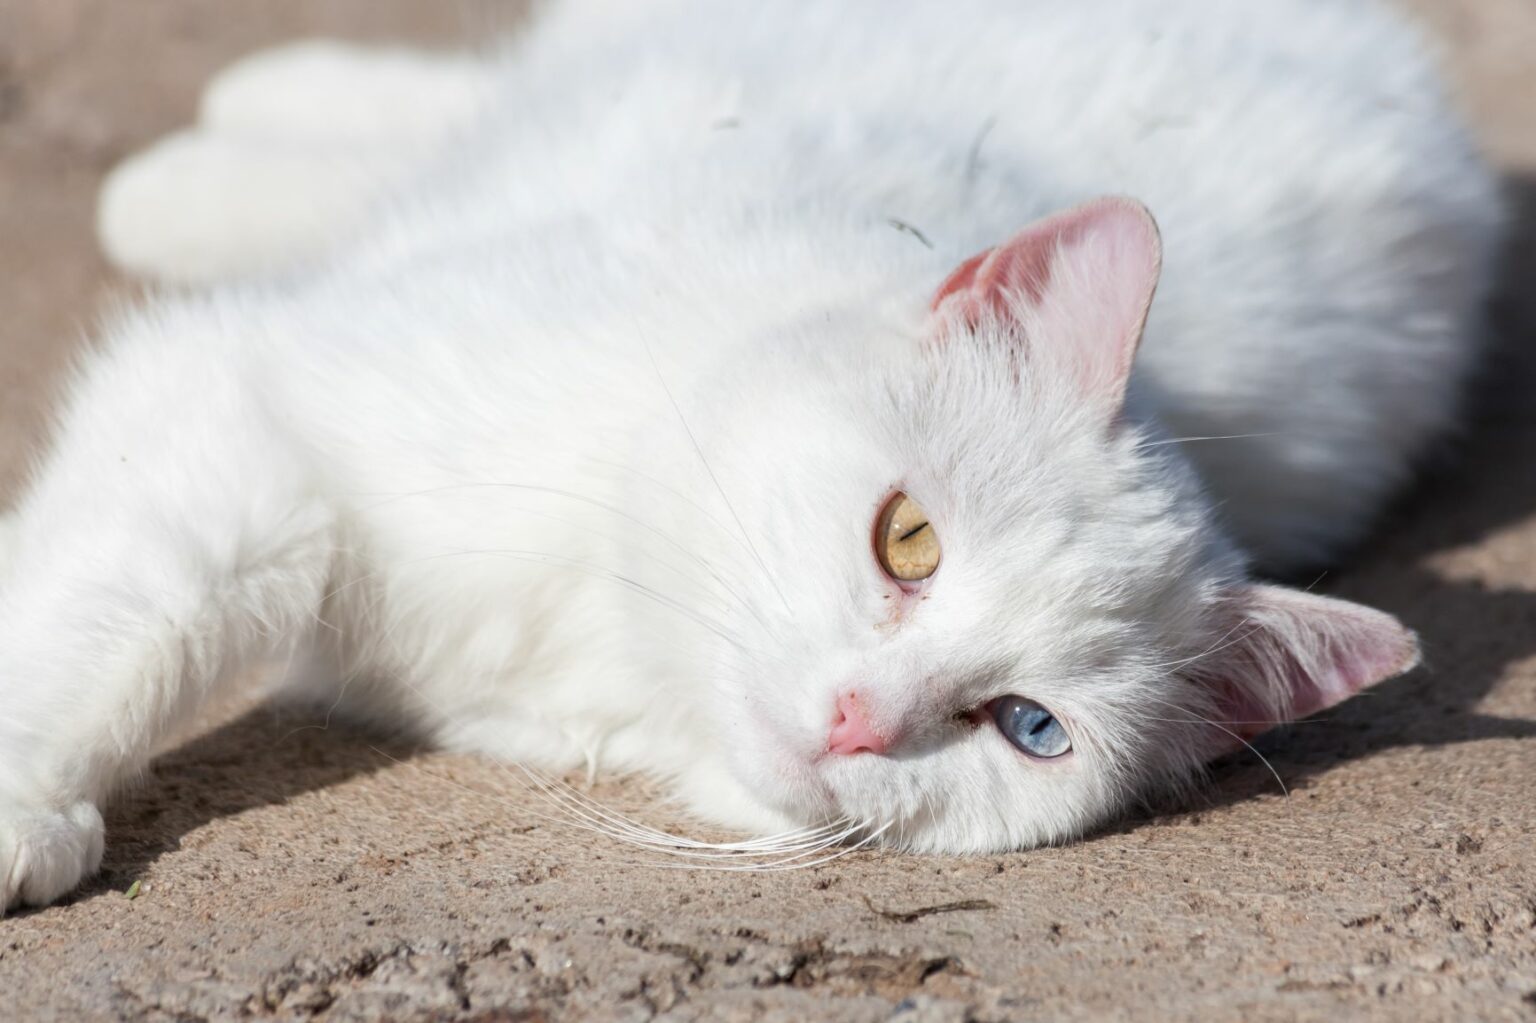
[907, 916]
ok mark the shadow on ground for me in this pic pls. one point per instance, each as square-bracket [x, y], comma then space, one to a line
[266, 757]
[1482, 484]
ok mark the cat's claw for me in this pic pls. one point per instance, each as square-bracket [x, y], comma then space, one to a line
[46, 852]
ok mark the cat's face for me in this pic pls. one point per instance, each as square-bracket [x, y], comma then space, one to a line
[980, 610]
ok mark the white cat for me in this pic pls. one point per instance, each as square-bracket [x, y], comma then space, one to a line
[637, 397]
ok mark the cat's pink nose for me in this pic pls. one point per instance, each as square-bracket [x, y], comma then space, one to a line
[851, 732]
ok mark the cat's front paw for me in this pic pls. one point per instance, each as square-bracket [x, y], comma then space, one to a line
[46, 852]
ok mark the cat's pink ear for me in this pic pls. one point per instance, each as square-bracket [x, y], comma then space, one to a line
[1080, 281]
[1282, 654]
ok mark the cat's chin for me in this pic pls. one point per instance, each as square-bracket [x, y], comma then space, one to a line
[758, 806]
[859, 791]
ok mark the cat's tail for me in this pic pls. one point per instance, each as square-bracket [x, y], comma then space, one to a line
[292, 148]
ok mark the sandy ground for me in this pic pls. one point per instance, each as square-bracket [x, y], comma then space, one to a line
[292, 871]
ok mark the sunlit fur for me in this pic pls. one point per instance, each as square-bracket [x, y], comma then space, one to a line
[561, 434]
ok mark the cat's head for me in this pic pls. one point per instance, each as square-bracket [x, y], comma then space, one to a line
[972, 600]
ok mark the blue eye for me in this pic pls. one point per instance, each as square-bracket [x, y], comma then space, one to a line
[1031, 727]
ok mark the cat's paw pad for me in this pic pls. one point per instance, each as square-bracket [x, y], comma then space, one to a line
[45, 853]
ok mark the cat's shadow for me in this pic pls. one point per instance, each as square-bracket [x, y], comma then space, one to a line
[266, 757]
[1470, 632]
[1484, 483]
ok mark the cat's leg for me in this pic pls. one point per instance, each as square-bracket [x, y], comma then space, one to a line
[293, 147]
[198, 208]
[171, 537]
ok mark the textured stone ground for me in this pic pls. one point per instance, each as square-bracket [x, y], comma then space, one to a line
[294, 872]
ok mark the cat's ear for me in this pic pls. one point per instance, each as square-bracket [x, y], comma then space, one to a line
[1080, 281]
[1282, 654]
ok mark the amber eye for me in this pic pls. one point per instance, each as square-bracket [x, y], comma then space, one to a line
[905, 541]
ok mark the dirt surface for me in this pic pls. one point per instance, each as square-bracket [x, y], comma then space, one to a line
[293, 871]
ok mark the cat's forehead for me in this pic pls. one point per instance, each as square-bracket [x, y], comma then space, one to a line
[943, 403]
[1012, 465]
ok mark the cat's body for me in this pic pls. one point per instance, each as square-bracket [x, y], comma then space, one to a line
[573, 446]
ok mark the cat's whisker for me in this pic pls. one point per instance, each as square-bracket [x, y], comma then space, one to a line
[787, 865]
[567, 820]
[1191, 440]
[540, 557]
[776, 858]
[558, 821]
[693, 556]
[563, 818]
[812, 857]
[584, 812]
[1284, 790]
[578, 564]
[1221, 643]
[564, 493]
[571, 801]
[901, 820]
[1222, 727]
[714, 480]
[591, 810]
[927, 802]
[604, 506]
[594, 818]
[383, 636]
[534, 556]
[673, 491]
[619, 827]
[1264, 722]
[787, 859]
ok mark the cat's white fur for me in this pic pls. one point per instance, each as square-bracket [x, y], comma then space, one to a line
[291, 145]
[590, 364]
